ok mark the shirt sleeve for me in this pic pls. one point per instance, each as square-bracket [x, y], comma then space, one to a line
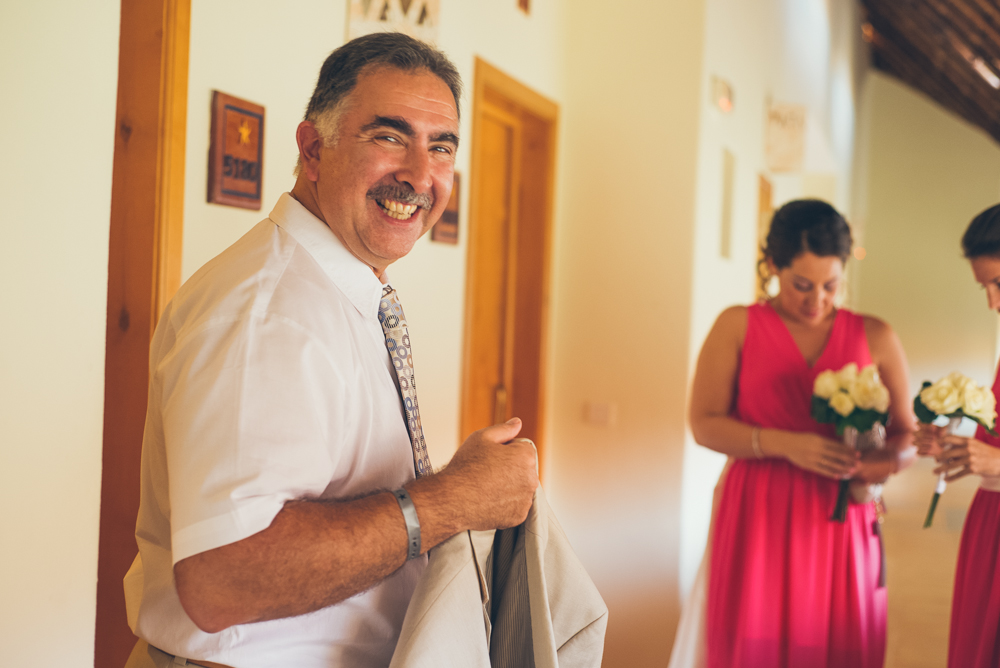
[247, 408]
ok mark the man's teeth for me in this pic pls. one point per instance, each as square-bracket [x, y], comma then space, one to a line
[397, 210]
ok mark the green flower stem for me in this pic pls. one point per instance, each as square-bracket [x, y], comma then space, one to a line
[930, 511]
[938, 491]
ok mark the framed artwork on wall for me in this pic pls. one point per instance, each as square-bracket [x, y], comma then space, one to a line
[416, 18]
[236, 152]
[446, 229]
[785, 144]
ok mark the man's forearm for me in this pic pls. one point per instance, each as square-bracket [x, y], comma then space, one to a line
[313, 554]
[318, 553]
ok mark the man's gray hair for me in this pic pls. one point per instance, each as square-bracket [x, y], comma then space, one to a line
[340, 72]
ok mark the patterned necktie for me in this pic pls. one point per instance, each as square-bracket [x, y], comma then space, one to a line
[397, 340]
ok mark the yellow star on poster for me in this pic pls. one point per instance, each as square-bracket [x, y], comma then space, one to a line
[244, 131]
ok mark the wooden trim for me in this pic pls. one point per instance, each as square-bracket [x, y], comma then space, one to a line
[937, 46]
[169, 219]
[488, 76]
[490, 81]
[144, 263]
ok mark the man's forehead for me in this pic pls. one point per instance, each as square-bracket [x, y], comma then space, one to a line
[389, 91]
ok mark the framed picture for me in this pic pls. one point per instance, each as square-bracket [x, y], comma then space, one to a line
[446, 229]
[416, 18]
[236, 152]
[784, 142]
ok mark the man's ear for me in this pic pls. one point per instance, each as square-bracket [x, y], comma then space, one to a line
[310, 145]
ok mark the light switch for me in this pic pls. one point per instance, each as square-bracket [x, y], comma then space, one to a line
[600, 413]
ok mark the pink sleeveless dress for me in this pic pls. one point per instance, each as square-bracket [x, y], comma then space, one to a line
[787, 587]
[974, 641]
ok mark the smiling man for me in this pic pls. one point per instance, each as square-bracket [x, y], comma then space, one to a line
[287, 499]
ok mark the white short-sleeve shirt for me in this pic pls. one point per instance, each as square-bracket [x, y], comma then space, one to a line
[269, 381]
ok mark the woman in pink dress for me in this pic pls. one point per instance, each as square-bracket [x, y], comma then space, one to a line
[788, 587]
[974, 640]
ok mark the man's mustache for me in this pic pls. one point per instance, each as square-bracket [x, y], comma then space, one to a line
[400, 194]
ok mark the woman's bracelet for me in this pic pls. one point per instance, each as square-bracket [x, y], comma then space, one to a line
[755, 443]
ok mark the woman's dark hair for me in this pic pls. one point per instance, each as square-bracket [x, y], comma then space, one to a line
[800, 226]
[982, 237]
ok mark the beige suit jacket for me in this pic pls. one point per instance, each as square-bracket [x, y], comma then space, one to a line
[447, 622]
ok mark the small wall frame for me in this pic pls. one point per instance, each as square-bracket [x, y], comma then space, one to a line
[446, 229]
[236, 152]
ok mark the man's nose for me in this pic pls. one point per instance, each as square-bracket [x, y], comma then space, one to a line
[416, 170]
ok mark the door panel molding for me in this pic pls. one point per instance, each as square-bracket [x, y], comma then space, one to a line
[523, 265]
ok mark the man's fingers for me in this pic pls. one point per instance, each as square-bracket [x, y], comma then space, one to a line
[502, 432]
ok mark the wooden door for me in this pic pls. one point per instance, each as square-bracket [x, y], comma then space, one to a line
[495, 260]
[144, 269]
[509, 238]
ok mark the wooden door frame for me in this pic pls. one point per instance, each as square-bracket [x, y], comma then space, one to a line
[144, 271]
[488, 77]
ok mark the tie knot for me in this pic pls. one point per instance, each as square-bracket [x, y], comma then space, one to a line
[390, 311]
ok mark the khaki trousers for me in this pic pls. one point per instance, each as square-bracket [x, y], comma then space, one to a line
[145, 655]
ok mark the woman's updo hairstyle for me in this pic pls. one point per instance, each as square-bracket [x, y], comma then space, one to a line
[801, 226]
[983, 235]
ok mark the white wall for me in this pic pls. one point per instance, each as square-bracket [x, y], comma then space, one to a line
[928, 174]
[59, 67]
[806, 52]
[621, 313]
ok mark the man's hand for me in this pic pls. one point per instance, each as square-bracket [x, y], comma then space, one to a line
[494, 476]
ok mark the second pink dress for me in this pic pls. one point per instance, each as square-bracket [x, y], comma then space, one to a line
[787, 587]
[974, 641]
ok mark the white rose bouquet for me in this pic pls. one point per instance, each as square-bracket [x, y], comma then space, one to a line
[955, 396]
[855, 402]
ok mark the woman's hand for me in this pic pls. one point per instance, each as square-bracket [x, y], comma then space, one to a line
[961, 456]
[928, 440]
[817, 454]
[876, 466]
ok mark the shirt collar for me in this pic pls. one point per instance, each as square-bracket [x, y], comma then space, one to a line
[352, 276]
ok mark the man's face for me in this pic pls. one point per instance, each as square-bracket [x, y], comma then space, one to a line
[388, 178]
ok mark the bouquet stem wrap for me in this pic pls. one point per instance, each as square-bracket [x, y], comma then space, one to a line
[844, 490]
[941, 483]
[863, 441]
